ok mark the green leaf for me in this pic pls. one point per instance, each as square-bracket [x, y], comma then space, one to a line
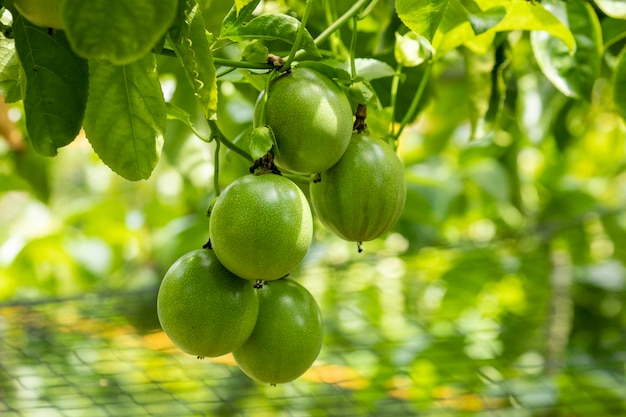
[119, 31]
[573, 75]
[271, 27]
[238, 17]
[612, 8]
[619, 85]
[328, 69]
[613, 31]
[369, 69]
[456, 28]
[361, 93]
[261, 141]
[56, 86]
[189, 40]
[422, 16]
[126, 116]
[255, 52]
[483, 21]
[10, 75]
[176, 113]
[240, 4]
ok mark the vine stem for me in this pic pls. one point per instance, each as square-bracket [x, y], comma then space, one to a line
[395, 83]
[351, 12]
[355, 19]
[216, 168]
[296, 44]
[216, 133]
[226, 62]
[410, 114]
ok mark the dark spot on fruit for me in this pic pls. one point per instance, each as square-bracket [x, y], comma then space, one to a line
[361, 115]
[359, 247]
[317, 178]
[265, 165]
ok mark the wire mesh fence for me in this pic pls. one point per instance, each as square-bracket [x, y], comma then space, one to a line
[104, 355]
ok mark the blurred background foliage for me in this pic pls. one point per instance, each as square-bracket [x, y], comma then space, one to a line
[504, 275]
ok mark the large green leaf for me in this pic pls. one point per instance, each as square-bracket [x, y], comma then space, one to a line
[612, 8]
[56, 86]
[619, 85]
[370, 69]
[270, 27]
[237, 17]
[240, 4]
[422, 16]
[483, 21]
[456, 27]
[119, 31]
[10, 80]
[189, 40]
[126, 116]
[613, 31]
[574, 75]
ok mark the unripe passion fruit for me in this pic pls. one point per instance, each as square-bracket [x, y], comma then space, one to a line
[203, 308]
[261, 226]
[362, 196]
[287, 337]
[311, 118]
[44, 13]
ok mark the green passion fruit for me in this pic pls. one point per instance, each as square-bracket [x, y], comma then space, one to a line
[203, 308]
[362, 196]
[310, 117]
[287, 337]
[44, 13]
[261, 226]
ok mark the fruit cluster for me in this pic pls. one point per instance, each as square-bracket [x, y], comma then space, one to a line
[234, 294]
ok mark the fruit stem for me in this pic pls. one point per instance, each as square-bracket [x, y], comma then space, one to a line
[411, 112]
[296, 44]
[216, 133]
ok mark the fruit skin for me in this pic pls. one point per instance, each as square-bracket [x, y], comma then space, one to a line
[203, 308]
[363, 195]
[261, 226]
[44, 13]
[311, 118]
[288, 335]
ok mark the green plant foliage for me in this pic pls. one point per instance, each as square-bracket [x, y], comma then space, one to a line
[573, 75]
[499, 290]
[422, 18]
[613, 8]
[56, 86]
[10, 86]
[126, 116]
[189, 39]
[132, 28]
